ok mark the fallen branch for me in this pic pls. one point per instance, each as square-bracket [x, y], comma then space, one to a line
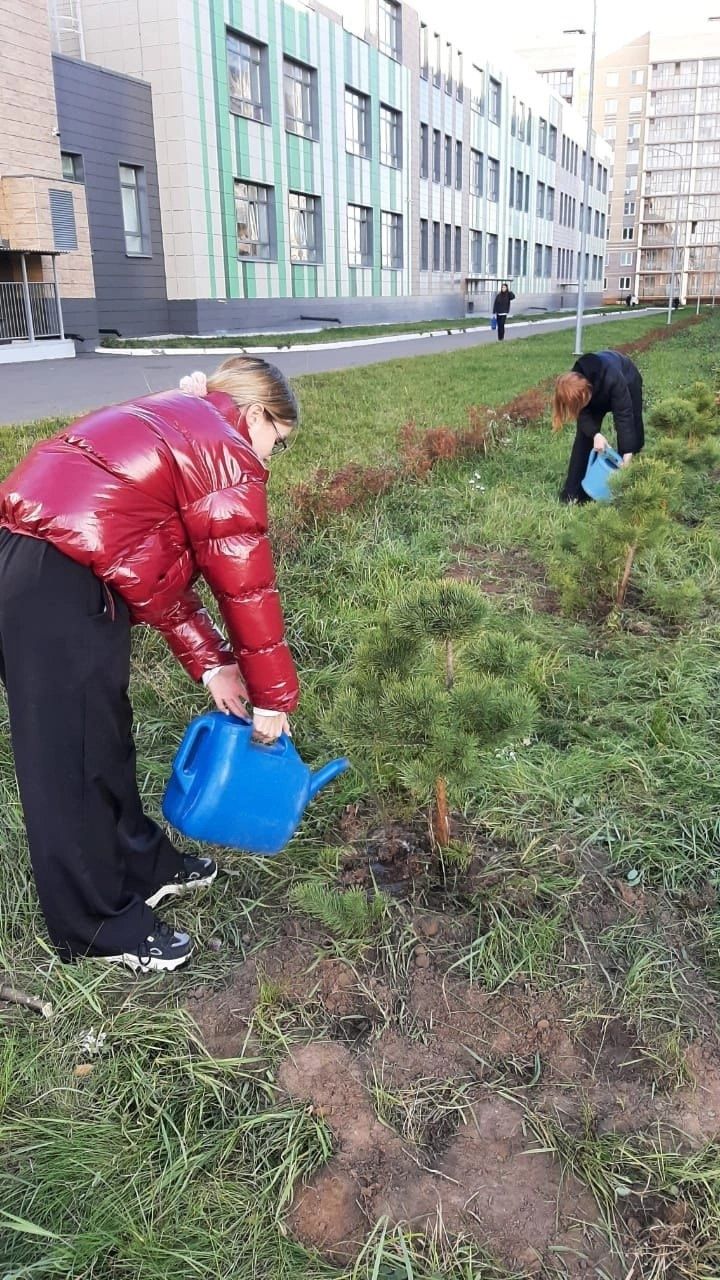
[12, 996]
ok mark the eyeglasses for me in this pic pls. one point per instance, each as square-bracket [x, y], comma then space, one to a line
[281, 443]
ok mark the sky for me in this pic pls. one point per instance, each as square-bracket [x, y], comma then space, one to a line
[517, 22]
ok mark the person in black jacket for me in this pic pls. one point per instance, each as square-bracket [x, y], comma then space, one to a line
[501, 309]
[605, 382]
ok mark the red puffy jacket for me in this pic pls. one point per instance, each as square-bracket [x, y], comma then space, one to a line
[151, 494]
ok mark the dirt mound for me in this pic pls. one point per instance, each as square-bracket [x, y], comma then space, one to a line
[489, 1182]
[504, 572]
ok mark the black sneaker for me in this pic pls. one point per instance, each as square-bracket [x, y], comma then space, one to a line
[196, 873]
[163, 950]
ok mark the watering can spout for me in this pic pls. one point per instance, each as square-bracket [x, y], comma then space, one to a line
[329, 771]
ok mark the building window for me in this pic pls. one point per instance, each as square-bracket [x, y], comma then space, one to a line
[494, 101]
[513, 119]
[540, 200]
[476, 173]
[475, 253]
[612, 79]
[611, 106]
[519, 184]
[628, 233]
[391, 241]
[72, 166]
[493, 179]
[360, 238]
[542, 136]
[550, 203]
[436, 246]
[552, 142]
[561, 81]
[253, 218]
[436, 155]
[625, 282]
[300, 89]
[448, 247]
[492, 254]
[424, 151]
[247, 76]
[458, 166]
[626, 259]
[538, 265]
[437, 58]
[458, 250]
[633, 133]
[305, 228]
[448, 68]
[460, 86]
[389, 28]
[135, 210]
[632, 156]
[637, 75]
[477, 90]
[424, 245]
[390, 137]
[357, 123]
[631, 183]
[610, 132]
[548, 262]
[448, 160]
[635, 106]
[424, 52]
[511, 190]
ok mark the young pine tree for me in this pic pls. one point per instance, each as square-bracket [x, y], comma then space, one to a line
[418, 710]
[598, 551]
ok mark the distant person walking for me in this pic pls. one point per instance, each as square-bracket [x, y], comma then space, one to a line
[501, 309]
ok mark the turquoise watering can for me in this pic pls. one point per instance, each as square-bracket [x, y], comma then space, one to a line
[226, 789]
[600, 467]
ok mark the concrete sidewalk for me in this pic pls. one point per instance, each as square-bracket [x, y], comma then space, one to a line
[70, 387]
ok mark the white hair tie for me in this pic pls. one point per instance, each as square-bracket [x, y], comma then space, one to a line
[194, 384]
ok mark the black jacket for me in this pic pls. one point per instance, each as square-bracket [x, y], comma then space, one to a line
[501, 305]
[616, 389]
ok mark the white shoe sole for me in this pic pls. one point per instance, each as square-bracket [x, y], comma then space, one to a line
[177, 890]
[155, 965]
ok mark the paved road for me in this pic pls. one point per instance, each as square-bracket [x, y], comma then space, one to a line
[59, 388]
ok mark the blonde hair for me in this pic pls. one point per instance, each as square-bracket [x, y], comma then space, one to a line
[572, 393]
[248, 380]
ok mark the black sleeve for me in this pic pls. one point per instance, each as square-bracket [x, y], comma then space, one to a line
[587, 424]
[511, 298]
[495, 304]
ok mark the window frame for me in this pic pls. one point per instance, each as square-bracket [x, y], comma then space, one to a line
[315, 251]
[260, 107]
[366, 231]
[311, 128]
[139, 189]
[269, 206]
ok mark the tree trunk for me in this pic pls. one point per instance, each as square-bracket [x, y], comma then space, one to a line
[449, 665]
[441, 816]
[622, 589]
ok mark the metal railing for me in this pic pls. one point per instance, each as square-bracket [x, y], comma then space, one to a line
[28, 312]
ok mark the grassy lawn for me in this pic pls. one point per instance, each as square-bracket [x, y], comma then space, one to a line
[337, 333]
[399, 1028]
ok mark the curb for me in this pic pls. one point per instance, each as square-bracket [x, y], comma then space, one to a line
[358, 342]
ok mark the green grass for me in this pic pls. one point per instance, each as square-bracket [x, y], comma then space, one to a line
[163, 1160]
[339, 333]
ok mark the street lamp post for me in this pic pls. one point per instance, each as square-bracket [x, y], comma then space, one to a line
[586, 187]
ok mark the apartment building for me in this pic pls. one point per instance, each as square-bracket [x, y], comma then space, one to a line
[657, 104]
[45, 255]
[355, 165]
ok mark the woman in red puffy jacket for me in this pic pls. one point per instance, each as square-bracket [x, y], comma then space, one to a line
[110, 523]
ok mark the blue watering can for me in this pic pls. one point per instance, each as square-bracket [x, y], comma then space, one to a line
[600, 467]
[226, 789]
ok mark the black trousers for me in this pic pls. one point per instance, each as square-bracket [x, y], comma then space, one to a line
[65, 663]
[501, 317]
[631, 442]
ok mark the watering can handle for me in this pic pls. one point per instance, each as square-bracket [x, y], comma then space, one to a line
[185, 751]
[609, 452]
[277, 748]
